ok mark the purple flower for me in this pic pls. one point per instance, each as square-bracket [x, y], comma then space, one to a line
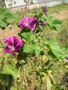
[67, 59]
[34, 22]
[26, 23]
[44, 10]
[13, 44]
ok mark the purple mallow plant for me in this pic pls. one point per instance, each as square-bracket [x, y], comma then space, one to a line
[67, 59]
[26, 23]
[13, 44]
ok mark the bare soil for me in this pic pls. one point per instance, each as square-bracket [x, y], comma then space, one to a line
[9, 31]
[62, 15]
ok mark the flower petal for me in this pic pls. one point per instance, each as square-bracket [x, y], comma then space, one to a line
[14, 52]
[6, 40]
[6, 50]
[19, 44]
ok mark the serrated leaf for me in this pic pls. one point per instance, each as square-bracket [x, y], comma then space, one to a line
[28, 48]
[37, 50]
[26, 36]
[55, 48]
[5, 15]
[52, 22]
[3, 23]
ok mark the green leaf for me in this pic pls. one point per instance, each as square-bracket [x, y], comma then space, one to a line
[55, 48]
[3, 23]
[26, 36]
[5, 15]
[10, 70]
[37, 50]
[28, 48]
[29, 36]
[52, 22]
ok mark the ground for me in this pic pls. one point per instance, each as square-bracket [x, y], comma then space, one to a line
[61, 15]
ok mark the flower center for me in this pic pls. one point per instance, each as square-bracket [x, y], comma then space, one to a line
[11, 48]
[26, 24]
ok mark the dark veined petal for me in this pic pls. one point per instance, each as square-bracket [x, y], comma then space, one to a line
[7, 49]
[11, 41]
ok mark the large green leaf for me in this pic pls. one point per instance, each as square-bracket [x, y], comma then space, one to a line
[26, 36]
[30, 45]
[29, 36]
[52, 22]
[28, 48]
[10, 70]
[5, 15]
[55, 48]
[3, 23]
[37, 50]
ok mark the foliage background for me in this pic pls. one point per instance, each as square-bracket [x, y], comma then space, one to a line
[35, 72]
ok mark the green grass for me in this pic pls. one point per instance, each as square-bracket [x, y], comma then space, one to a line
[57, 8]
[63, 33]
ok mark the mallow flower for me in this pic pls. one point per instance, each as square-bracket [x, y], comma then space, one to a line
[26, 23]
[13, 44]
[67, 59]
